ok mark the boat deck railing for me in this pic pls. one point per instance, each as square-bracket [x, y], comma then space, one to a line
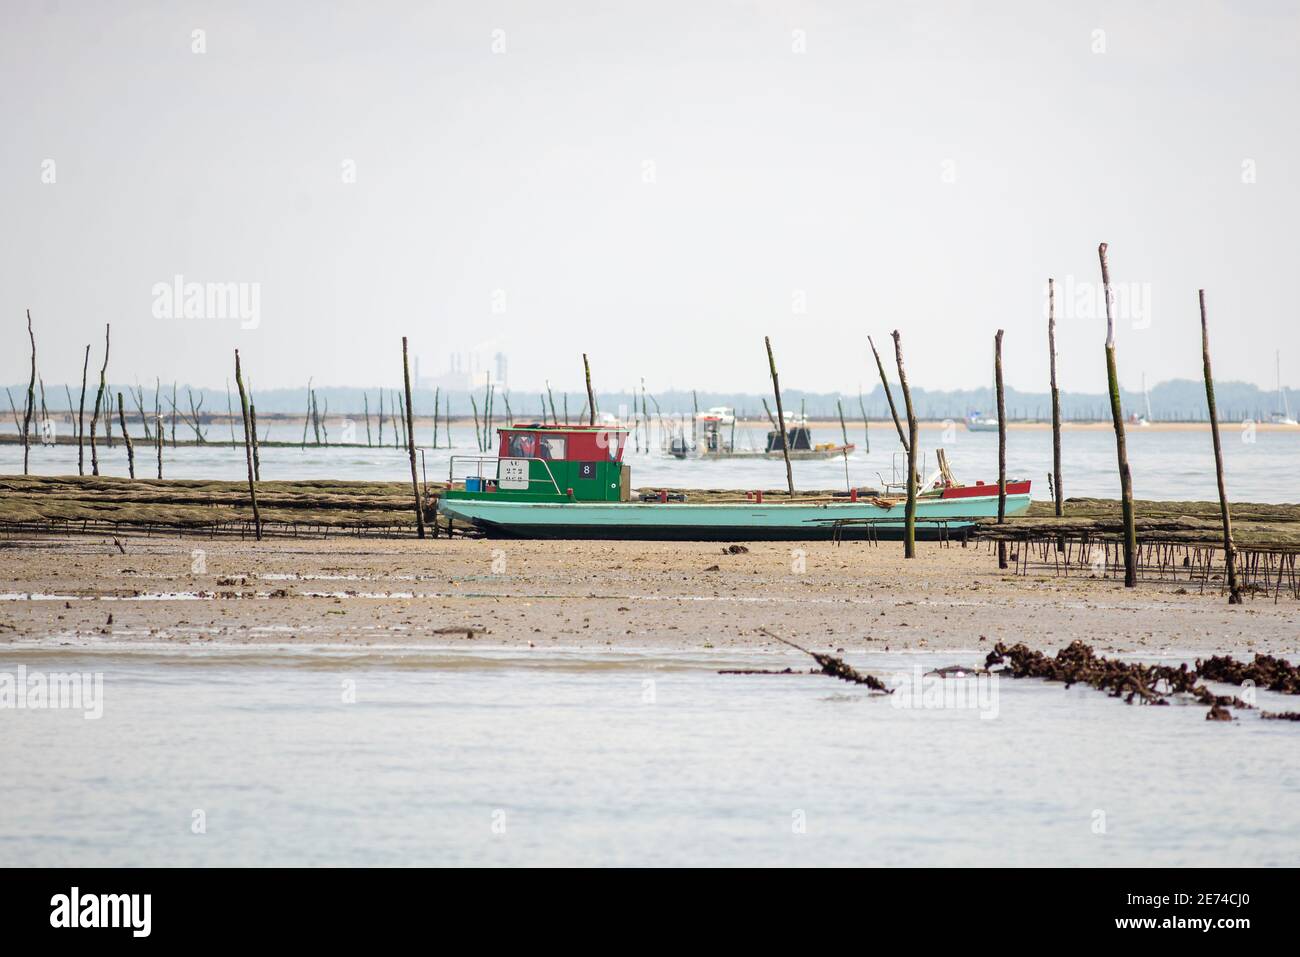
[495, 460]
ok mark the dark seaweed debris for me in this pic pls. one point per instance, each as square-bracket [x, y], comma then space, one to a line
[835, 667]
[1148, 684]
[1265, 671]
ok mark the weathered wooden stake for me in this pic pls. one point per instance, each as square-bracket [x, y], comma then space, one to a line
[866, 425]
[780, 416]
[410, 442]
[99, 399]
[909, 514]
[126, 436]
[252, 421]
[845, 433]
[884, 380]
[591, 396]
[81, 416]
[437, 400]
[29, 410]
[306, 417]
[230, 415]
[1229, 548]
[158, 425]
[365, 398]
[1002, 444]
[248, 447]
[1056, 400]
[1117, 418]
[478, 432]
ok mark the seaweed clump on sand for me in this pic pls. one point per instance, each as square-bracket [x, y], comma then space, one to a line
[1265, 671]
[1148, 684]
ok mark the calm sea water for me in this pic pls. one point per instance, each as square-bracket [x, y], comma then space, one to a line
[652, 759]
[1261, 466]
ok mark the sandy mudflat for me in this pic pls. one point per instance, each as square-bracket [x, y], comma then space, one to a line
[619, 595]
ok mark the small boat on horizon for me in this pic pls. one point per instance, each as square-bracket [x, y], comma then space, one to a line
[1283, 416]
[551, 481]
[979, 422]
[714, 438]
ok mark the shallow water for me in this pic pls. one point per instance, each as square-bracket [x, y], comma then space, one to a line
[618, 758]
[1176, 465]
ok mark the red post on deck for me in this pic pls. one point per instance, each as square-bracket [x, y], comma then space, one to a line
[663, 496]
[853, 495]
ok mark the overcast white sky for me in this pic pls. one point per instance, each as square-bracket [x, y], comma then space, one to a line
[921, 166]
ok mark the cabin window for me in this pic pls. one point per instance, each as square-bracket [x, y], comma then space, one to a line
[551, 447]
[523, 445]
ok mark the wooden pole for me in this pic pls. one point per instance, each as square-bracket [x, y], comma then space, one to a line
[1117, 418]
[99, 399]
[175, 413]
[591, 396]
[158, 425]
[81, 416]
[909, 514]
[252, 421]
[1002, 445]
[306, 417]
[845, 433]
[126, 436]
[410, 442]
[248, 447]
[1229, 549]
[381, 418]
[780, 416]
[866, 424]
[29, 409]
[893, 410]
[230, 415]
[478, 432]
[550, 397]
[365, 398]
[1056, 399]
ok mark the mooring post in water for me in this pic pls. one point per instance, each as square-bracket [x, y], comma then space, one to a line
[780, 416]
[230, 415]
[866, 425]
[437, 400]
[158, 425]
[1056, 399]
[884, 380]
[306, 418]
[1229, 549]
[591, 395]
[29, 409]
[1002, 445]
[81, 416]
[252, 421]
[909, 515]
[1117, 417]
[478, 432]
[845, 433]
[365, 399]
[410, 441]
[99, 399]
[126, 436]
[248, 448]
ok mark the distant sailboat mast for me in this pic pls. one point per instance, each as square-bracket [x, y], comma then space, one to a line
[1282, 417]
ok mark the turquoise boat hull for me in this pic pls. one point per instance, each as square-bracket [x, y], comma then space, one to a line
[736, 521]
